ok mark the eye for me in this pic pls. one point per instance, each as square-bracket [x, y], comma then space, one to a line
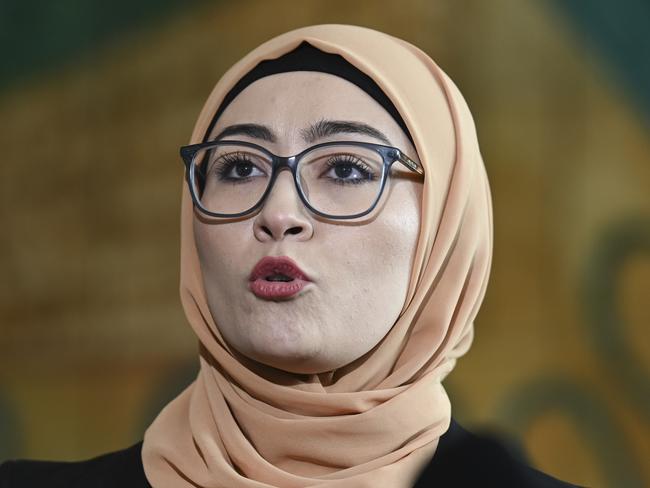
[236, 168]
[348, 169]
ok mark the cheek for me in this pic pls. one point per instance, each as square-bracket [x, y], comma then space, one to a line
[219, 253]
[390, 253]
[393, 237]
[376, 260]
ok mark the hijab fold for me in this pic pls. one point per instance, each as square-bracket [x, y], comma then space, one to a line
[375, 422]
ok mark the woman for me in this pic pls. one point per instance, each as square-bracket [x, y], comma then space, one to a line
[336, 241]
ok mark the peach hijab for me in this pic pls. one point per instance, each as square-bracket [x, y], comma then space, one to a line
[376, 422]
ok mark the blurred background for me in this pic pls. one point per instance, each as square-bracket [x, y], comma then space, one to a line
[96, 98]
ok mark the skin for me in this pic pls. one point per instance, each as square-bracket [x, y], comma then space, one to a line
[360, 269]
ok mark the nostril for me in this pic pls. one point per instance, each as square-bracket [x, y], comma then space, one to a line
[294, 230]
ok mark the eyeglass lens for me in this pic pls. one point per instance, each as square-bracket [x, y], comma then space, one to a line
[336, 180]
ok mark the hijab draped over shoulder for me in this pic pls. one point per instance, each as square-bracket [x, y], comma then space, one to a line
[375, 422]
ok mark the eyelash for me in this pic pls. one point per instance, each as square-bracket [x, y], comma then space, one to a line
[226, 163]
[356, 163]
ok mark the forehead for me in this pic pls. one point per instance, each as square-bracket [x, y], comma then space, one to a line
[289, 101]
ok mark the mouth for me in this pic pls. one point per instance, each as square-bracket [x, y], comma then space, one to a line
[278, 277]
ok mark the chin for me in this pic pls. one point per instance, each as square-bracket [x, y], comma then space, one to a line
[293, 358]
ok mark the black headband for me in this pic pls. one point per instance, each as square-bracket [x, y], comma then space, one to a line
[308, 58]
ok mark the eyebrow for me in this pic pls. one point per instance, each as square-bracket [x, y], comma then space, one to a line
[321, 129]
[255, 131]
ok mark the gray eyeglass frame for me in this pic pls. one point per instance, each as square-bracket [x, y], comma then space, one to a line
[389, 156]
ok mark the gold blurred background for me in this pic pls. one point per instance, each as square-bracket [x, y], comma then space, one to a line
[94, 104]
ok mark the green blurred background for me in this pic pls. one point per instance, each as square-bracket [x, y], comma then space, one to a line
[96, 98]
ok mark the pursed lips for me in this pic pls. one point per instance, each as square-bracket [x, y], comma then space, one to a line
[277, 266]
[277, 278]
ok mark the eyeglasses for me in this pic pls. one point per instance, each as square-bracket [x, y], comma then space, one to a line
[336, 180]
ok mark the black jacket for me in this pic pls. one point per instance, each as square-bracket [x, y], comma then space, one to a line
[462, 459]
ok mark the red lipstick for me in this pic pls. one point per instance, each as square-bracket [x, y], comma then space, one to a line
[277, 277]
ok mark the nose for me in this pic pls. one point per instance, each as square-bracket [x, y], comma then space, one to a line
[283, 214]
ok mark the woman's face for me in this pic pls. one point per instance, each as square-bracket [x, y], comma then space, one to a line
[359, 270]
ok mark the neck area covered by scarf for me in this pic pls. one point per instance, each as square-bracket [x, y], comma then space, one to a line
[375, 422]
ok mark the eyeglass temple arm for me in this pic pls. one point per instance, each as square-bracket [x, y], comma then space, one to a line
[409, 163]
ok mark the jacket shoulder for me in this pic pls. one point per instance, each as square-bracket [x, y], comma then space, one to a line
[119, 468]
[467, 459]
